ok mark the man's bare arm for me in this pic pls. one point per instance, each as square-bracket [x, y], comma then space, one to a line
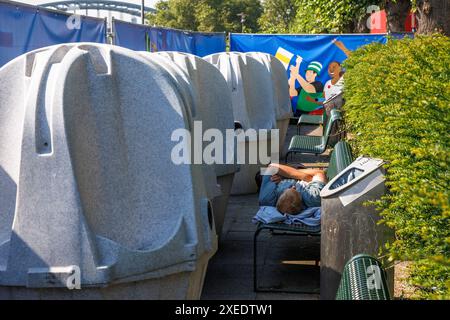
[291, 173]
[306, 175]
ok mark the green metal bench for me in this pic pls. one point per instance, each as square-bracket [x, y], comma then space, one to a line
[363, 278]
[314, 144]
[341, 158]
[311, 120]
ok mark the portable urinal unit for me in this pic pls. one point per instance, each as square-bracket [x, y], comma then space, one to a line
[282, 100]
[212, 117]
[252, 97]
[92, 205]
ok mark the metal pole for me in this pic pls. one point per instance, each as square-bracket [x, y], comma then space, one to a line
[143, 11]
[242, 15]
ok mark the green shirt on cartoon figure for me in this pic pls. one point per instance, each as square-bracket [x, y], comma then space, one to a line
[310, 92]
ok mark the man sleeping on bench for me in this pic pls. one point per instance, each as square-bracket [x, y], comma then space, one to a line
[292, 190]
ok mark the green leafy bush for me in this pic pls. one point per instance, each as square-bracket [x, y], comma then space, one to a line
[397, 108]
[325, 16]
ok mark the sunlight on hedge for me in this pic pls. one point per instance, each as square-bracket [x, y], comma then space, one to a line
[397, 108]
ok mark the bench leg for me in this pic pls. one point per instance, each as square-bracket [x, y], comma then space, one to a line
[255, 260]
[256, 288]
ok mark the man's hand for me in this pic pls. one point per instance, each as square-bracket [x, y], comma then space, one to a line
[276, 178]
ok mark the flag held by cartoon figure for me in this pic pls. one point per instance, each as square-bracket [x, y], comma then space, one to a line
[284, 56]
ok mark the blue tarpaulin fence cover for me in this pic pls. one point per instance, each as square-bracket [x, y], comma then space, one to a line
[302, 54]
[324, 48]
[25, 28]
[131, 36]
[147, 38]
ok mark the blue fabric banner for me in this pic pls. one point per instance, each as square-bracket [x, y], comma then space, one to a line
[209, 43]
[25, 28]
[311, 62]
[146, 38]
[162, 39]
[130, 35]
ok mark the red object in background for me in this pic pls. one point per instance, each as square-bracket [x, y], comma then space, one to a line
[316, 112]
[379, 22]
[411, 23]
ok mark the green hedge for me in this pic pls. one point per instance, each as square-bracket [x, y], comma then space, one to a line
[397, 108]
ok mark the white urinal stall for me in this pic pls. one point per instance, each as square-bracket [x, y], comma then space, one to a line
[213, 108]
[88, 183]
[252, 94]
[280, 85]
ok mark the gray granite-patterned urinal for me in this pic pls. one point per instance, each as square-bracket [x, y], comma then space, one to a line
[214, 110]
[252, 94]
[87, 182]
[282, 101]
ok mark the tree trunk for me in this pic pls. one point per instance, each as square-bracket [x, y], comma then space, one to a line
[396, 13]
[433, 16]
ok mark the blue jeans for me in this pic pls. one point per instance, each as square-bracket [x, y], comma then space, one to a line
[270, 191]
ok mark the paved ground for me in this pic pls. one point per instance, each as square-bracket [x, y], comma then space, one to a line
[283, 262]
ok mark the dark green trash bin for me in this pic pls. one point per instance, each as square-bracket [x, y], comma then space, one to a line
[363, 279]
[348, 225]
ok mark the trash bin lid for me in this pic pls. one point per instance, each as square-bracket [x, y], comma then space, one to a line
[352, 175]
